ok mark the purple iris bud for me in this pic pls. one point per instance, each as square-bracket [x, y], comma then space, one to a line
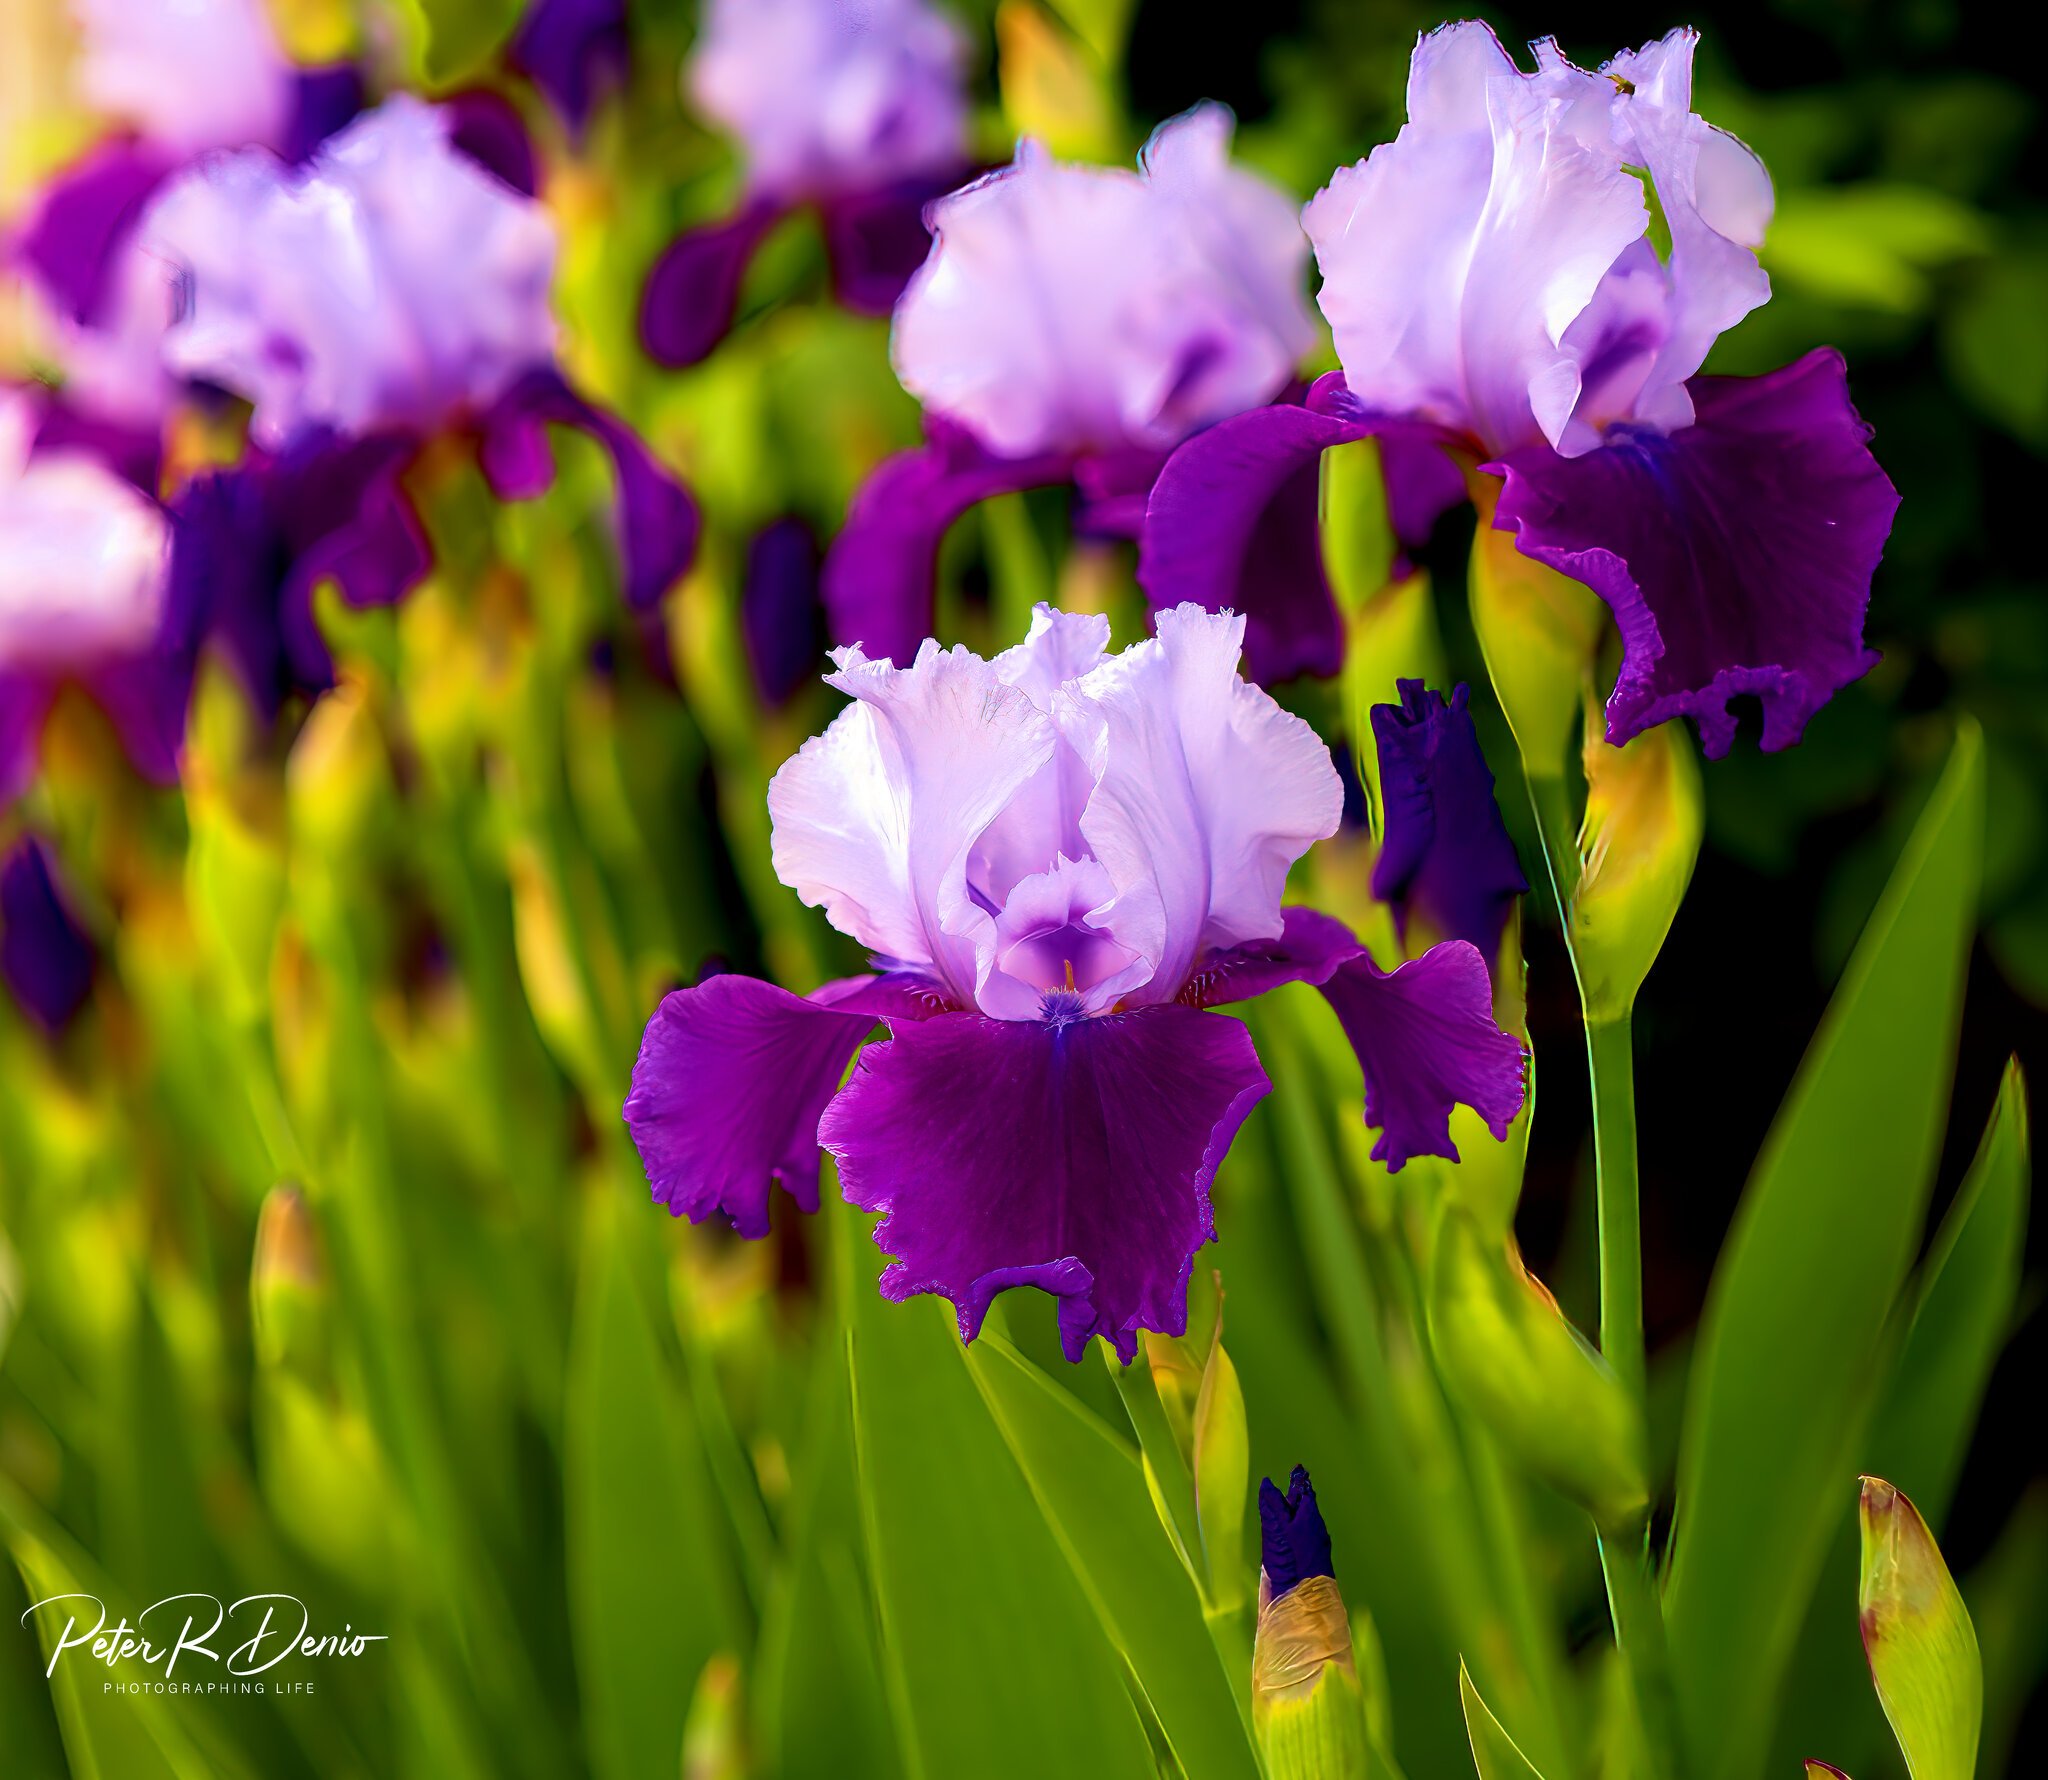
[576, 51]
[83, 599]
[1495, 291]
[779, 613]
[1073, 324]
[322, 294]
[1294, 1544]
[1446, 853]
[46, 957]
[1059, 859]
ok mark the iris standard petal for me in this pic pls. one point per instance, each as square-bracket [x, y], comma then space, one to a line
[1075, 1156]
[1736, 554]
[1206, 792]
[876, 819]
[729, 1083]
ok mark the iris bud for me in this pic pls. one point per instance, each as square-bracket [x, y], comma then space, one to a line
[1513, 1360]
[288, 1291]
[1919, 1640]
[1645, 812]
[1308, 1707]
[1539, 631]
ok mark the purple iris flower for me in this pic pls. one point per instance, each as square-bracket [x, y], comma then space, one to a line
[1496, 290]
[857, 107]
[1445, 854]
[1072, 326]
[46, 956]
[85, 598]
[183, 78]
[1060, 860]
[322, 294]
[1294, 1543]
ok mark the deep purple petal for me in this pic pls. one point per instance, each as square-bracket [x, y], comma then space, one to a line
[1446, 851]
[1426, 1039]
[144, 698]
[779, 612]
[657, 520]
[876, 239]
[575, 51]
[730, 1080]
[250, 543]
[133, 452]
[878, 573]
[487, 127]
[1736, 554]
[1232, 525]
[73, 238]
[1425, 1035]
[1114, 487]
[1072, 1155]
[1422, 484]
[687, 305]
[46, 958]
[1294, 1542]
[324, 100]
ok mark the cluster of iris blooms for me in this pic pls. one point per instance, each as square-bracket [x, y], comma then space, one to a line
[1061, 859]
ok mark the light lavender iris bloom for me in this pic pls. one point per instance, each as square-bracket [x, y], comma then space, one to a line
[84, 597]
[326, 295]
[1060, 860]
[1503, 294]
[1072, 325]
[856, 108]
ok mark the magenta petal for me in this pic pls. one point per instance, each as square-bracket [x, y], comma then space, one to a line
[691, 294]
[1446, 852]
[1422, 483]
[1736, 553]
[657, 520]
[1426, 1039]
[24, 703]
[1232, 525]
[1311, 946]
[1074, 1155]
[730, 1080]
[144, 698]
[878, 573]
[84, 217]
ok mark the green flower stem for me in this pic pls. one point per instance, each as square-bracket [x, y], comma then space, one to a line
[1559, 831]
[1610, 1059]
[1639, 1637]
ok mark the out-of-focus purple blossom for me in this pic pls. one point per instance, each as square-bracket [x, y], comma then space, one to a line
[188, 75]
[84, 598]
[1445, 853]
[779, 613]
[833, 96]
[46, 956]
[1060, 859]
[575, 52]
[1496, 291]
[323, 294]
[1073, 324]
[855, 107]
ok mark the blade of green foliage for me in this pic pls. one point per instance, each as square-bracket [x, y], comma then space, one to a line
[1826, 1230]
[996, 1664]
[1089, 1485]
[1494, 1752]
[651, 1593]
[1921, 1428]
